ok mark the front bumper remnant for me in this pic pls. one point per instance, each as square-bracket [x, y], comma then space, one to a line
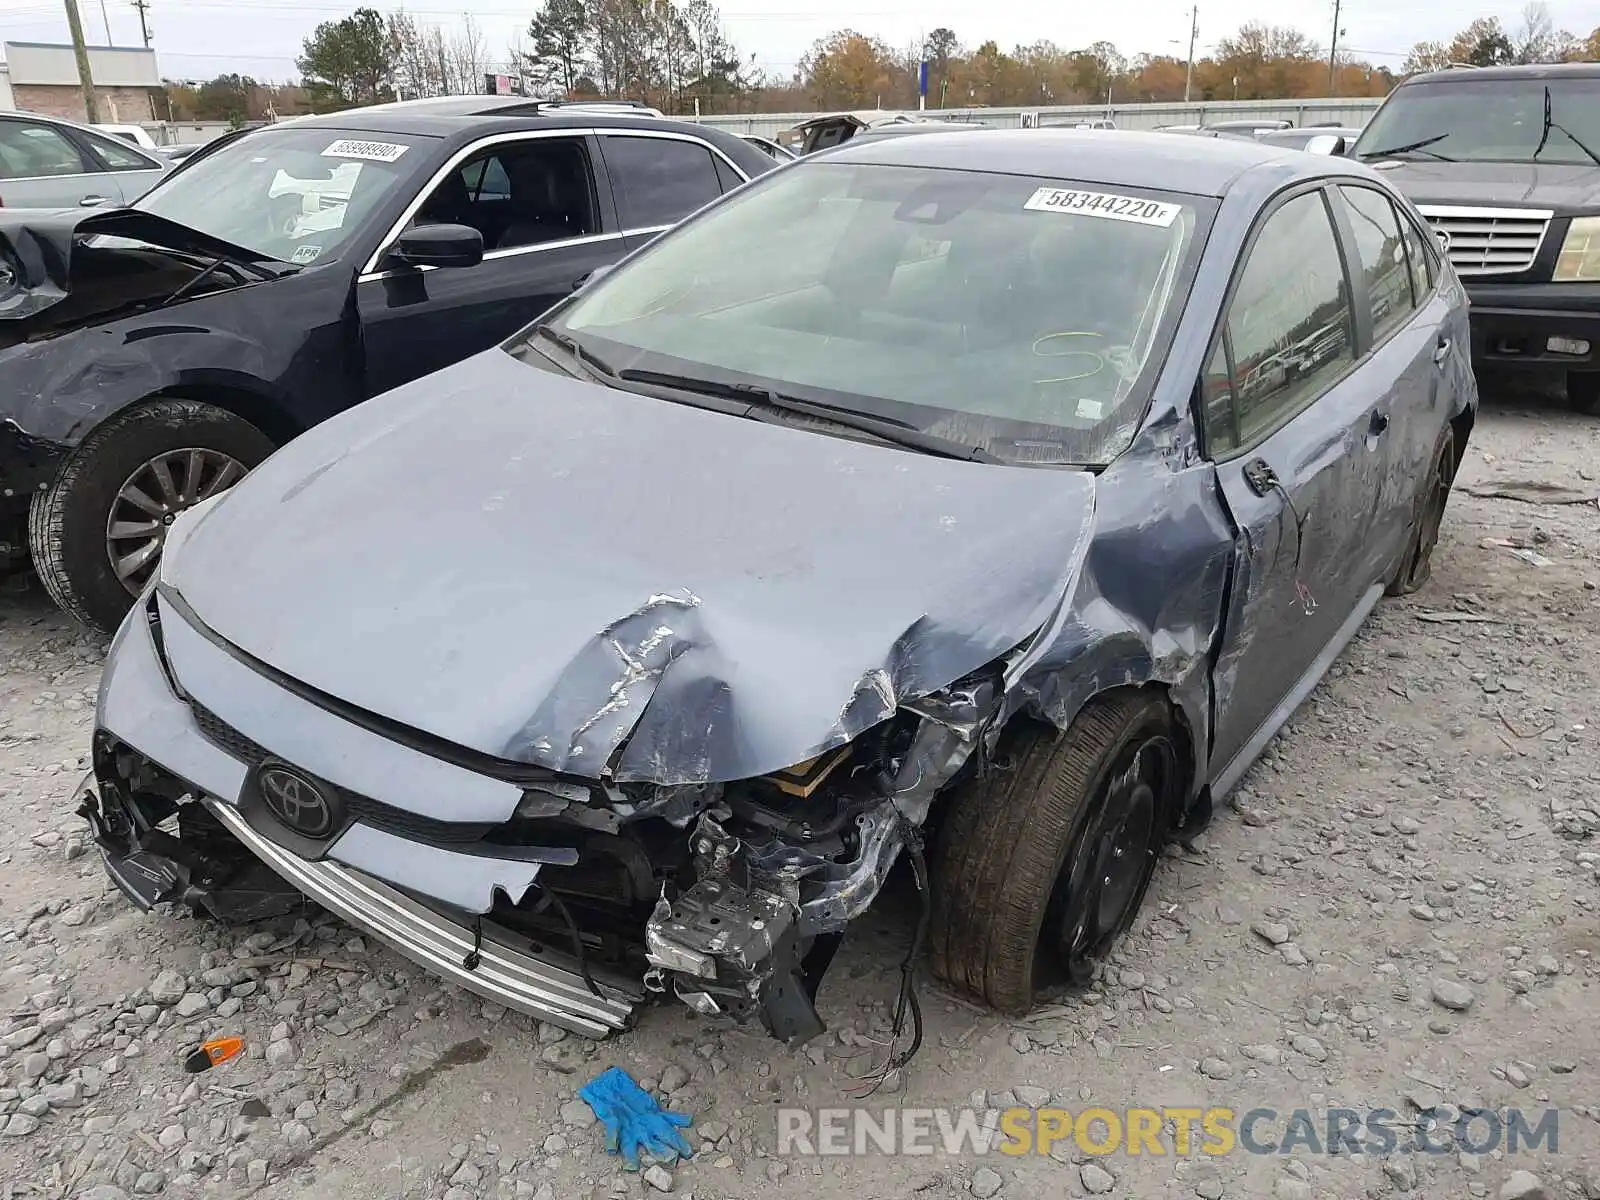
[149, 867]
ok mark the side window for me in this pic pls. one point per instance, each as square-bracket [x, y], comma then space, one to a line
[1216, 395]
[1289, 321]
[118, 156]
[1383, 259]
[518, 194]
[727, 177]
[29, 151]
[659, 181]
[1418, 255]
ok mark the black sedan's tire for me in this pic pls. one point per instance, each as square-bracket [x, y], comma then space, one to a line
[1042, 865]
[96, 533]
[1583, 391]
[1417, 565]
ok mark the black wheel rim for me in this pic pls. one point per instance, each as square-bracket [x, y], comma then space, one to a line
[151, 498]
[1109, 861]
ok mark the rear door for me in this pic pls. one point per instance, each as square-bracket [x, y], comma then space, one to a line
[133, 171]
[658, 178]
[43, 166]
[545, 225]
[1289, 422]
[1407, 331]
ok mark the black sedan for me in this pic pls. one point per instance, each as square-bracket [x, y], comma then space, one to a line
[999, 493]
[151, 355]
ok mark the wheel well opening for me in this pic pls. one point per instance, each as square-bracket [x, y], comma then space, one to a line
[266, 415]
[1461, 428]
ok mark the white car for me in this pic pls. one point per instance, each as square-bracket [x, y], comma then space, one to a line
[136, 134]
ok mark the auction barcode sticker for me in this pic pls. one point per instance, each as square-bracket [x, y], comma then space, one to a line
[373, 151]
[1103, 204]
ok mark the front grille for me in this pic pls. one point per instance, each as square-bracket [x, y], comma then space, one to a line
[1490, 241]
[361, 808]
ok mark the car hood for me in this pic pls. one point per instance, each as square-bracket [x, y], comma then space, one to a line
[1537, 185]
[553, 572]
[37, 248]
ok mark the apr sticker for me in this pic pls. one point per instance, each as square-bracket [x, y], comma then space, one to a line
[1090, 410]
[1103, 204]
[309, 253]
[373, 151]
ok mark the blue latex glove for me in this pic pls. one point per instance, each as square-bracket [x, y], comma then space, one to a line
[633, 1120]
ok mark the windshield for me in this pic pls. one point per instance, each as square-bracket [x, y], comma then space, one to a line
[293, 194]
[1026, 316]
[1489, 120]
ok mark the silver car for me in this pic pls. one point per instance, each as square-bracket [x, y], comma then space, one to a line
[49, 163]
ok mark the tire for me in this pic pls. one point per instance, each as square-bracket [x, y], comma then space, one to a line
[1002, 865]
[1417, 565]
[1583, 392]
[69, 524]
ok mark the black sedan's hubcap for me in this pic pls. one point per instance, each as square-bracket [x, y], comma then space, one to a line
[152, 497]
[1109, 864]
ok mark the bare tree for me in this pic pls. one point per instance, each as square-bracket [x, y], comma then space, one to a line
[467, 59]
[1536, 39]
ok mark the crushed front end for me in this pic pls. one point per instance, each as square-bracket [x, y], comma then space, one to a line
[222, 786]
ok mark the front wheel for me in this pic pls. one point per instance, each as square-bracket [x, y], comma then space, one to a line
[1583, 391]
[1042, 865]
[97, 532]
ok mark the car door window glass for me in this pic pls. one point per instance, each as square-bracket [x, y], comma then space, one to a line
[1216, 395]
[30, 151]
[117, 156]
[1382, 255]
[659, 181]
[1421, 263]
[518, 194]
[1289, 320]
[727, 177]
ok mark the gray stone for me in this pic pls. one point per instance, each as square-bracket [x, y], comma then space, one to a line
[1031, 1097]
[256, 1170]
[1274, 933]
[986, 1182]
[172, 1135]
[103, 1191]
[63, 1095]
[1216, 1068]
[1291, 1189]
[1402, 1172]
[296, 1134]
[20, 1125]
[1096, 1180]
[168, 988]
[1209, 1189]
[673, 1078]
[577, 1113]
[1457, 997]
[25, 1035]
[282, 1053]
[192, 1004]
[1523, 1185]
[659, 1178]
[1304, 1043]
[149, 1183]
[1262, 1052]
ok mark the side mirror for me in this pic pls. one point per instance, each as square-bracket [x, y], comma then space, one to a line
[440, 246]
[1327, 144]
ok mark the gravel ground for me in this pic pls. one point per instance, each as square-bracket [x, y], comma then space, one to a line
[1397, 910]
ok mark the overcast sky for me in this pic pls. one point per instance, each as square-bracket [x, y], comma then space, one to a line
[203, 38]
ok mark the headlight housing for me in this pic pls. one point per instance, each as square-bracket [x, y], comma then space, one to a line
[1579, 261]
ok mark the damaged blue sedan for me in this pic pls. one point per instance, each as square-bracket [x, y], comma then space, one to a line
[984, 502]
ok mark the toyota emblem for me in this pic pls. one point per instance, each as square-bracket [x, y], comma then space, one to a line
[296, 801]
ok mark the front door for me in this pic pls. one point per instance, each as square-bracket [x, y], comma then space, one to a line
[535, 201]
[1290, 423]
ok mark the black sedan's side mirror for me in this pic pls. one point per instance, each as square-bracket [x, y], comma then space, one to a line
[440, 246]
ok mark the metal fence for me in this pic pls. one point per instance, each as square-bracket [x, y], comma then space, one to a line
[1352, 112]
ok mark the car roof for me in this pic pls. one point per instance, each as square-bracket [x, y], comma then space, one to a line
[446, 116]
[1574, 70]
[1115, 157]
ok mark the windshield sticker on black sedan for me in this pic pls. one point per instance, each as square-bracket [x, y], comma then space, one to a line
[1103, 204]
[373, 151]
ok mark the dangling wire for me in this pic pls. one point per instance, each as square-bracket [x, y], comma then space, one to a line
[907, 1002]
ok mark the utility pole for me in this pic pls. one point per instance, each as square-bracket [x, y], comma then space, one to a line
[1194, 32]
[91, 108]
[144, 29]
[1333, 54]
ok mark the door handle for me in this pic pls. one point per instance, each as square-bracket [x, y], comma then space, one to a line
[91, 201]
[1441, 351]
[1379, 423]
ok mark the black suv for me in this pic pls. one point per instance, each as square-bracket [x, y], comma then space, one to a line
[151, 355]
[1505, 162]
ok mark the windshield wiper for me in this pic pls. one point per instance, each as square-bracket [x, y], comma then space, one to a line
[212, 267]
[1544, 135]
[758, 398]
[1411, 148]
[592, 362]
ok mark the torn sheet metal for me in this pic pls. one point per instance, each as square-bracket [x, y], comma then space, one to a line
[658, 624]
